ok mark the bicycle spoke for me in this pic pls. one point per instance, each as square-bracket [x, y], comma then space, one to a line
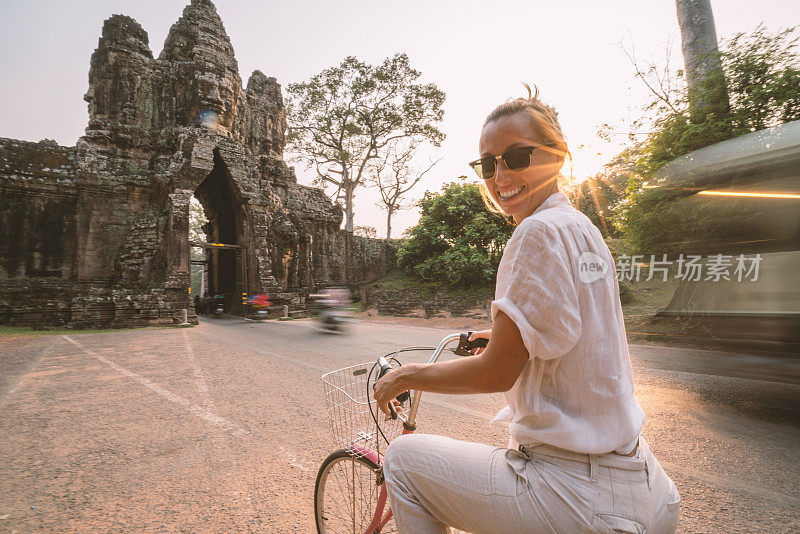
[350, 496]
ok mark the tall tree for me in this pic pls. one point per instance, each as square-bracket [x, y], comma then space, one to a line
[704, 75]
[395, 175]
[348, 115]
[762, 70]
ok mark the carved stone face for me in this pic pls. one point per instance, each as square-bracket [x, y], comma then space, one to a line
[217, 100]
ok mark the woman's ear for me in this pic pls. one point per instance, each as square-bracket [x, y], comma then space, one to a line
[558, 161]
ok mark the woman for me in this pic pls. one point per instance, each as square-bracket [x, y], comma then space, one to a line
[557, 348]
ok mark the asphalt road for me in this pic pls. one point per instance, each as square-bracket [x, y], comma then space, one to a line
[222, 427]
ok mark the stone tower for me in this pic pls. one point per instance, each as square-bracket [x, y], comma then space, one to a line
[104, 231]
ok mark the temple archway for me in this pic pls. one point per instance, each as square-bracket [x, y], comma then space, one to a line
[115, 248]
[225, 252]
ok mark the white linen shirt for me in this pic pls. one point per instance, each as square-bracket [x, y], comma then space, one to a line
[557, 282]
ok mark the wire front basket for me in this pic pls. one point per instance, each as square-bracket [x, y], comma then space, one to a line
[356, 422]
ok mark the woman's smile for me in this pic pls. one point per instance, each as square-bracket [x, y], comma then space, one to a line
[508, 194]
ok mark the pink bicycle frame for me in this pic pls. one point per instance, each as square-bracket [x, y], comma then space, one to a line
[378, 519]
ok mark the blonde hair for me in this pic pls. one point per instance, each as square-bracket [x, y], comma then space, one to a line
[545, 120]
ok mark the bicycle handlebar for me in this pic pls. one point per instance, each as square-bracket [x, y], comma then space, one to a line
[385, 368]
[464, 348]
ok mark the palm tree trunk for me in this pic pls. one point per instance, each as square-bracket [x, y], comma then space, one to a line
[704, 75]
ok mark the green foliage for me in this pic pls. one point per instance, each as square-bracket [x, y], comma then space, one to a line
[763, 74]
[597, 196]
[197, 223]
[346, 116]
[626, 293]
[762, 71]
[456, 241]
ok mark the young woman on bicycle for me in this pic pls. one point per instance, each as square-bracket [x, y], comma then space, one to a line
[557, 348]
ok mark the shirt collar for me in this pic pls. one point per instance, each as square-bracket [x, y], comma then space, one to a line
[556, 199]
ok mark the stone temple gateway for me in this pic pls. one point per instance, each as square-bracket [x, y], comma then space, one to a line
[98, 234]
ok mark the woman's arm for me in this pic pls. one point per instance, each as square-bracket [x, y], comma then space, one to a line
[495, 369]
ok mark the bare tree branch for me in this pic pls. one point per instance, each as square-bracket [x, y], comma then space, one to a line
[394, 176]
[656, 89]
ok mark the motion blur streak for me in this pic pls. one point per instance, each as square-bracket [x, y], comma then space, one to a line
[736, 198]
[744, 194]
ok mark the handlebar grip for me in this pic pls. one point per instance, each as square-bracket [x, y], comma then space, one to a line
[384, 365]
[465, 346]
[385, 368]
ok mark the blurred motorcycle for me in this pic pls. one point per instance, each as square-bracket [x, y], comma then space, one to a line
[218, 308]
[332, 309]
[260, 304]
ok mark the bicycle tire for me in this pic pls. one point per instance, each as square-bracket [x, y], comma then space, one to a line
[346, 494]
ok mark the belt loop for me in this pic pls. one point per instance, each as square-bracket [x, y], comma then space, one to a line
[593, 468]
[645, 454]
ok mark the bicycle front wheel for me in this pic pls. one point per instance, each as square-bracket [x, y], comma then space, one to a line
[346, 494]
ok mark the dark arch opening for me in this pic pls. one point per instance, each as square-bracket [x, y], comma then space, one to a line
[222, 205]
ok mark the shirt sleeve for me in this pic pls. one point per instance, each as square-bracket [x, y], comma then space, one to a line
[536, 290]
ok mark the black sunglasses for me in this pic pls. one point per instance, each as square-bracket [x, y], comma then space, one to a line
[516, 159]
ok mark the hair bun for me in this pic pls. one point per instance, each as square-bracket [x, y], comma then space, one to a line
[532, 96]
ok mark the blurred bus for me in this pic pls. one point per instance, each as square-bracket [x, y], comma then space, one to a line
[740, 200]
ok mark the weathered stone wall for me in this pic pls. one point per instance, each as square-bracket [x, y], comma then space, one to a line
[399, 302]
[38, 203]
[97, 234]
[38, 207]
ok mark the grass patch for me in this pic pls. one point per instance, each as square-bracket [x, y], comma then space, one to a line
[400, 281]
[646, 300]
[398, 286]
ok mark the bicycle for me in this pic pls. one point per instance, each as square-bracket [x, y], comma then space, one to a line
[350, 492]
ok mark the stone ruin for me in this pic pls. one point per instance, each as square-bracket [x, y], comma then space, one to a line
[98, 234]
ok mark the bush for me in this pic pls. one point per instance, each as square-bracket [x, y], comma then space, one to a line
[457, 241]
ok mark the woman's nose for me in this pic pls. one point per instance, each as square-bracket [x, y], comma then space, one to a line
[501, 174]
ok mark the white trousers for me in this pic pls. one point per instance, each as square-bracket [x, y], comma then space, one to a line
[435, 482]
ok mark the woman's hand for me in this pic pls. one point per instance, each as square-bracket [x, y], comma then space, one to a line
[390, 386]
[485, 334]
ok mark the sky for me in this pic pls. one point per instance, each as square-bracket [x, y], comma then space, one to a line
[477, 54]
